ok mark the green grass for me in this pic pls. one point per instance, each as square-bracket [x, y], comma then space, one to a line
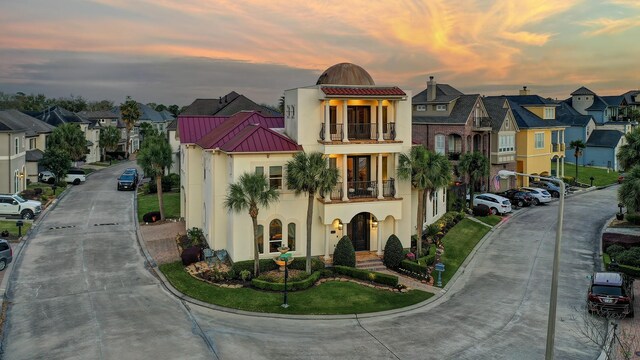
[149, 202]
[10, 225]
[600, 176]
[330, 298]
[458, 243]
[492, 220]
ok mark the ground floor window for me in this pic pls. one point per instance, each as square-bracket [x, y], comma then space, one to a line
[291, 236]
[260, 239]
[275, 235]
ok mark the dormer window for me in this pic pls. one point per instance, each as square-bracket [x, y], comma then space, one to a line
[549, 113]
[421, 108]
[441, 107]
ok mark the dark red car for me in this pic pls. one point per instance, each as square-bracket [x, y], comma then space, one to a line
[610, 293]
[518, 198]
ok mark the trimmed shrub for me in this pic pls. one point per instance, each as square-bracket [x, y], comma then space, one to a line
[392, 252]
[414, 267]
[174, 179]
[344, 254]
[265, 265]
[152, 188]
[481, 210]
[291, 286]
[366, 275]
[614, 250]
[459, 216]
[300, 263]
[633, 218]
[151, 217]
[629, 257]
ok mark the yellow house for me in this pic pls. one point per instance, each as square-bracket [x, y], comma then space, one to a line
[540, 141]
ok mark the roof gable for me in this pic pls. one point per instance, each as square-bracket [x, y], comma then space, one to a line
[582, 91]
[526, 119]
[211, 132]
[257, 138]
[57, 116]
[500, 113]
[604, 138]
[462, 110]
[192, 128]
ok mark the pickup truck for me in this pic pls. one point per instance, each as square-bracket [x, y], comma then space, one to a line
[15, 205]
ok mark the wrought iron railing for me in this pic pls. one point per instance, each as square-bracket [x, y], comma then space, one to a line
[362, 189]
[555, 147]
[335, 132]
[362, 131]
[481, 122]
[365, 131]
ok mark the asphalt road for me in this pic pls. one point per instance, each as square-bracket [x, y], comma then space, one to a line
[80, 289]
[84, 292]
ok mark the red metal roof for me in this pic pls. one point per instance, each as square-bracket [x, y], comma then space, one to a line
[193, 128]
[257, 138]
[362, 91]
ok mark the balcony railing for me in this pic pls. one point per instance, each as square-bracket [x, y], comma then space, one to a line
[481, 122]
[364, 189]
[362, 131]
[555, 147]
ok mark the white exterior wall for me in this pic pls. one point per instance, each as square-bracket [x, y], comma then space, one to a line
[193, 164]
[174, 142]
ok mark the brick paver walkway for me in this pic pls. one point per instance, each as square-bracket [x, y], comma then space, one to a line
[160, 240]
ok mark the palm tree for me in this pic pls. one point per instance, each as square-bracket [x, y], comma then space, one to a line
[629, 154]
[629, 193]
[476, 166]
[154, 157]
[69, 138]
[310, 173]
[109, 139]
[130, 113]
[427, 172]
[577, 146]
[251, 191]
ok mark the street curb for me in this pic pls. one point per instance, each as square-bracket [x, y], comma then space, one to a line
[600, 266]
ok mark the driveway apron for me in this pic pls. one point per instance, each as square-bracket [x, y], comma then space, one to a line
[81, 288]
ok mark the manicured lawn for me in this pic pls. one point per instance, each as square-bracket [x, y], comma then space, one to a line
[330, 298]
[492, 220]
[46, 188]
[601, 177]
[10, 225]
[149, 202]
[458, 243]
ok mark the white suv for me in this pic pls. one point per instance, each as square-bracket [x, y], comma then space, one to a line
[540, 196]
[74, 176]
[496, 203]
[15, 205]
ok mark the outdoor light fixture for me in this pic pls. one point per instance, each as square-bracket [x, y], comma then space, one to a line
[374, 223]
[553, 301]
[339, 225]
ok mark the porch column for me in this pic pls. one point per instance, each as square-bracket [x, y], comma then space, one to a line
[345, 116]
[396, 161]
[345, 177]
[379, 232]
[327, 241]
[379, 120]
[379, 176]
[327, 121]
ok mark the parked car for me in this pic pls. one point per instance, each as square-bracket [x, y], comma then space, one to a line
[611, 293]
[6, 254]
[552, 188]
[540, 196]
[134, 172]
[126, 181]
[518, 198]
[15, 205]
[496, 203]
[74, 176]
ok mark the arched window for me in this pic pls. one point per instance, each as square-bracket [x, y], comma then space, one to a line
[260, 239]
[291, 236]
[275, 235]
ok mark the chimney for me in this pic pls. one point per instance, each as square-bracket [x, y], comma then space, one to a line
[220, 100]
[431, 89]
[524, 91]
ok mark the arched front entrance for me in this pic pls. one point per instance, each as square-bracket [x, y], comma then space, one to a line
[359, 231]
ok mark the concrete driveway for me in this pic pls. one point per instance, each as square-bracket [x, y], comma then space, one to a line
[81, 290]
[497, 309]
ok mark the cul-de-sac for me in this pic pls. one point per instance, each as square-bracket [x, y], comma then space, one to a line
[223, 180]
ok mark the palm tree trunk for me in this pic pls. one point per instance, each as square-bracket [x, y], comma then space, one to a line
[160, 198]
[309, 219]
[576, 155]
[256, 249]
[419, 223]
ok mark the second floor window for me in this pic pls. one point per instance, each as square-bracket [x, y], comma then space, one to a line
[17, 141]
[539, 137]
[421, 107]
[440, 144]
[441, 107]
[506, 143]
[32, 144]
[275, 177]
[549, 113]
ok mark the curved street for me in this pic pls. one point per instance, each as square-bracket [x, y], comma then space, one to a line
[81, 289]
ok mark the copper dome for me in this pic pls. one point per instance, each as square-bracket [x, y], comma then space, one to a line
[345, 74]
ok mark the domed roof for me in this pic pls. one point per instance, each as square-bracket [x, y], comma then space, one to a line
[345, 74]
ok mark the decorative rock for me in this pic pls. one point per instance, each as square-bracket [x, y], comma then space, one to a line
[404, 290]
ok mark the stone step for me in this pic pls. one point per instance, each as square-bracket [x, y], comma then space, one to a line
[371, 265]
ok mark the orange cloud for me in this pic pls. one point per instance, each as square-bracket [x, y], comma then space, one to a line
[604, 26]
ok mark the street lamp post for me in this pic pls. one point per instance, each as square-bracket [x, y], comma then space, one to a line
[553, 301]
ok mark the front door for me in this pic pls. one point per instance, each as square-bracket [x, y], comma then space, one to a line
[358, 231]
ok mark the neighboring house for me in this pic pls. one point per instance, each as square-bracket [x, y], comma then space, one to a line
[541, 139]
[449, 122]
[104, 118]
[174, 142]
[36, 135]
[361, 128]
[632, 100]
[503, 141]
[226, 106]
[602, 149]
[13, 152]
[159, 120]
[56, 116]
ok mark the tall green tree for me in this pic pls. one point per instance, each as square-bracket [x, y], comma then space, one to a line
[70, 138]
[109, 139]
[146, 130]
[310, 174]
[629, 154]
[427, 172]
[577, 146]
[154, 157]
[57, 161]
[475, 166]
[629, 192]
[72, 103]
[174, 109]
[102, 105]
[281, 105]
[251, 192]
[130, 113]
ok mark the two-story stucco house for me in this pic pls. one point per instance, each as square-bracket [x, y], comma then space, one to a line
[361, 128]
[12, 152]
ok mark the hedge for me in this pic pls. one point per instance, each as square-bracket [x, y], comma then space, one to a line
[413, 267]
[300, 263]
[291, 286]
[366, 275]
[626, 269]
[265, 265]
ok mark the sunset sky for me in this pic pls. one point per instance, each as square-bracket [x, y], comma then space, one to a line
[173, 51]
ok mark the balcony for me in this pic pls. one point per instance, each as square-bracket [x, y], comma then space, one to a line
[557, 147]
[364, 189]
[362, 131]
[481, 123]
